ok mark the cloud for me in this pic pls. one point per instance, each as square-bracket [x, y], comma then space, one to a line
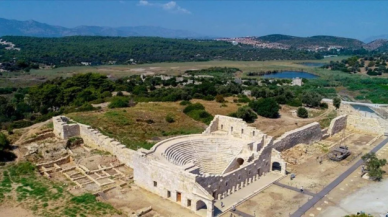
[144, 3]
[171, 6]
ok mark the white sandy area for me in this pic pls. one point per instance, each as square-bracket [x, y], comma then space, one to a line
[372, 199]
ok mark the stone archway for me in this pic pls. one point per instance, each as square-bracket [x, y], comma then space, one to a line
[276, 166]
[240, 161]
[200, 206]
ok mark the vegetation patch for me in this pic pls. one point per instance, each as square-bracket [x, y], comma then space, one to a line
[267, 107]
[325, 122]
[198, 113]
[20, 182]
[124, 126]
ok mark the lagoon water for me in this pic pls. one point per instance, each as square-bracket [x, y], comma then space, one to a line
[363, 108]
[290, 74]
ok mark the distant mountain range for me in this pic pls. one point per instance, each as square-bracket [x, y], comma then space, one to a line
[374, 38]
[37, 29]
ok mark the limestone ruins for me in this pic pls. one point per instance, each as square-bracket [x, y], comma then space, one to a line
[197, 170]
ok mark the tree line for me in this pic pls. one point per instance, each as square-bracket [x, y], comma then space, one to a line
[70, 51]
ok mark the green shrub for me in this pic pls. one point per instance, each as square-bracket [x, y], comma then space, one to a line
[220, 98]
[197, 112]
[119, 102]
[267, 107]
[337, 102]
[302, 112]
[195, 106]
[311, 99]
[185, 102]
[23, 168]
[209, 98]
[84, 199]
[243, 99]
[4, 143]
[106, 94]
[245, 113]
[374, 165]
[21, 124]
[86, 107]
[74, 141]
[294, 102]
[323, 105]
[170, 119]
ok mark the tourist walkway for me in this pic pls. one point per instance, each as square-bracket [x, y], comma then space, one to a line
[247, 192]
[303, 209]
[357, 103]
[293, 188]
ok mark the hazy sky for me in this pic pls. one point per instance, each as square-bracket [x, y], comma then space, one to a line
[357, 19]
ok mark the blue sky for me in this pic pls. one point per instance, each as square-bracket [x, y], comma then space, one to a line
[356, 19]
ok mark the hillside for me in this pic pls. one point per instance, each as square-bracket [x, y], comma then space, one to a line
[310, 42]
[67, 51]
[37, 29]
[380, 44]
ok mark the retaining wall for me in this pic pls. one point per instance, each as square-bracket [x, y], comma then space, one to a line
[306, 134]
[337, 124]
[93, 138]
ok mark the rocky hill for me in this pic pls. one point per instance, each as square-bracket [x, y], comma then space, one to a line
[311, 42]
[377, 44]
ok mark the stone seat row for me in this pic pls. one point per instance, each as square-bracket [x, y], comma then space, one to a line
[184, 152]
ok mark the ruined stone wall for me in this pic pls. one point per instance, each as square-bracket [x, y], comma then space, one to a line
[97, 140]
[222, 185]
[365, 124]
[64, 130]
[93, 138]
[306, 134]
[337, 124]
[169, 181]
[234, 126]
[59, 161]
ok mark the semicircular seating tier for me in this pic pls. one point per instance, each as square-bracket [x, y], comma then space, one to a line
[212, 154]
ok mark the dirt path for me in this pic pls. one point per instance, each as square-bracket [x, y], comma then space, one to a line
[15, 212]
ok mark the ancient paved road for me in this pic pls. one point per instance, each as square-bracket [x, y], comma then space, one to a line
[303, 209]
[293, 188]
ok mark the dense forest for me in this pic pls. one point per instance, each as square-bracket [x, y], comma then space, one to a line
[68, 51]
[372, 65]
[77, 93]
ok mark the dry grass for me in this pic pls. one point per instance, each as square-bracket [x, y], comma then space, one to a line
[215, 108]
[38, 76]
[141, 125]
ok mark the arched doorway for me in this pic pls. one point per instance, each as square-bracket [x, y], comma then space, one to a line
[240, 161]
[276, 166]
[201, 205]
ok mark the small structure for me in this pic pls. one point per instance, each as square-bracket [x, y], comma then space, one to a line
[86, 63]
[247, 92]
[297, 82]
[339, 153]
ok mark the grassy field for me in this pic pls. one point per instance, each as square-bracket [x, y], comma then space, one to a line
[141, 125]
[177, 68]
[20, 183]
[18, 79]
